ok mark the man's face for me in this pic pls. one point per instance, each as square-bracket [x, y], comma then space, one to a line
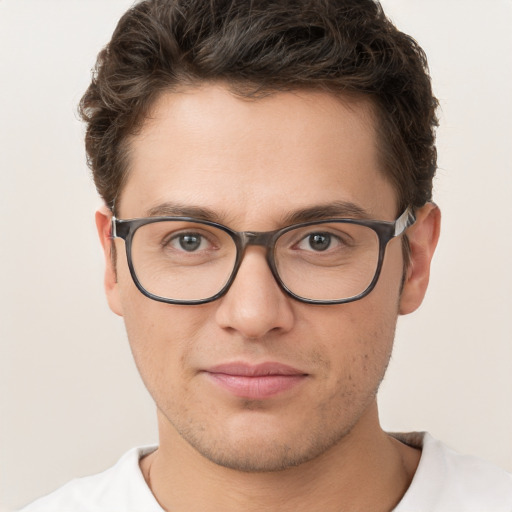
[254, 163]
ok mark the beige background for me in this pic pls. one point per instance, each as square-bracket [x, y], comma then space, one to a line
[70, 399]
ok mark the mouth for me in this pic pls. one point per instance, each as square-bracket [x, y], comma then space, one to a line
[255, 382]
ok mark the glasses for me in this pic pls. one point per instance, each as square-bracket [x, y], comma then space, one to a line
[182, 260]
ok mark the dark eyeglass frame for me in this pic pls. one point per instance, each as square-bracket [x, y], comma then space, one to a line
[385, 231]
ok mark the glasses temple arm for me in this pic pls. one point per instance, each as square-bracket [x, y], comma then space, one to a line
[405, 220]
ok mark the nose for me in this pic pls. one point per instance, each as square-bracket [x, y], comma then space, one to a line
[255, 305]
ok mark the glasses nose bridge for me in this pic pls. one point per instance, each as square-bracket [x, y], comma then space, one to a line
[261, 238]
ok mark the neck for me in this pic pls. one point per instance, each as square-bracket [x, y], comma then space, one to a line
[366, 470]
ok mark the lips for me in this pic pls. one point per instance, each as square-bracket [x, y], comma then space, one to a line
[255, 382]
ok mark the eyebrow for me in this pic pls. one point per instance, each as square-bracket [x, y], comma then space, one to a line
[169, 209]
[332, 210]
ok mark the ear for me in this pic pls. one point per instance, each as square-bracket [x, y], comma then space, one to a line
[423, 236]
[103, 225]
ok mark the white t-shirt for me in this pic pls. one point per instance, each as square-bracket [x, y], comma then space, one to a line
[444, 482]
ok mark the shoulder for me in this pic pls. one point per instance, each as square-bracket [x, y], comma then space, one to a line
[447, 481]
[121, 487]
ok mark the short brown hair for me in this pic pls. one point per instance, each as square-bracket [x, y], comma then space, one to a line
[259, 47]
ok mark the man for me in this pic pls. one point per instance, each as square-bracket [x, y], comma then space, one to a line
[267, 171]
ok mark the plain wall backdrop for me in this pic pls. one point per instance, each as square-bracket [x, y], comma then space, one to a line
[71, 401]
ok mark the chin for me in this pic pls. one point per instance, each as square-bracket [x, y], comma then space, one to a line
[263, 448]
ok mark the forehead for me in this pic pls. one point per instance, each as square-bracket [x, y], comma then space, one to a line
[256, 159]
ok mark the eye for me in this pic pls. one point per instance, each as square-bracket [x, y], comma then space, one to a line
[318, 242]
[189, 242]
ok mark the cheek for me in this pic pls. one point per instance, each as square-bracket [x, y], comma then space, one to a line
[161, 340]
[355, 340]
[157, 332]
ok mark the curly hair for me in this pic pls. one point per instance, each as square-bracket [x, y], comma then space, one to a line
[259, 47]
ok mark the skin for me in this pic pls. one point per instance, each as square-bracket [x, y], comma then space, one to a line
[316, 446]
